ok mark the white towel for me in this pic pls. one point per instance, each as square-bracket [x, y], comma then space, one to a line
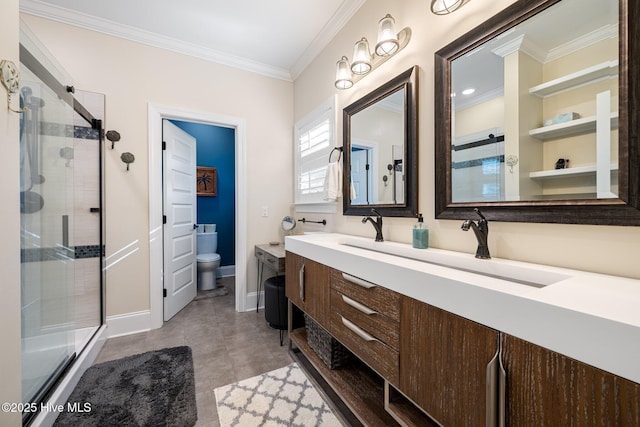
[333, 181]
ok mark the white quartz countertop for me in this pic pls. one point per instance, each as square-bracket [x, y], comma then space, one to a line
[590, 317]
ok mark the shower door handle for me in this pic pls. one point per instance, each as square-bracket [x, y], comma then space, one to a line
[65, 231]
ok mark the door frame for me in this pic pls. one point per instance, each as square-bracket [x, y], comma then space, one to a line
[373, 150]
[157, 113]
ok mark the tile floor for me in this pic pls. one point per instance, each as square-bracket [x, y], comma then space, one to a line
[227, 346]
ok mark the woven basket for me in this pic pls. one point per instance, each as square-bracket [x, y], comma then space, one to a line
[332, 353]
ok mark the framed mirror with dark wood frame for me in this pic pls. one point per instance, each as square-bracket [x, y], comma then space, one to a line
[380, 157]
[536, 119]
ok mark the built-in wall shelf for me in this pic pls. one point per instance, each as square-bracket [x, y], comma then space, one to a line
[565, 196]
[568, 172]
[579, 78]
[572, 127]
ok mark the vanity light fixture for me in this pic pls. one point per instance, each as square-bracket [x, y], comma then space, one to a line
[361, 57]
[444, 7]
[387, 38]
[388, 44]
[344, 79]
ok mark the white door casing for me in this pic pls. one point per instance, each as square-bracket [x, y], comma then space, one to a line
[179, 170]
[158, 112]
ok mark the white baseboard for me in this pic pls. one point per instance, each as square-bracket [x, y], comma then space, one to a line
[227, 270]
[251, 299]
[69, 382]
[130, 323]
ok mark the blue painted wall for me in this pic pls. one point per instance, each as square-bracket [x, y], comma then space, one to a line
[215, 147]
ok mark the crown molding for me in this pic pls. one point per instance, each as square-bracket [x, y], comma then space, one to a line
[339, 19]
[598, 35]
[104, 26]
[523, 44]
[461, 103]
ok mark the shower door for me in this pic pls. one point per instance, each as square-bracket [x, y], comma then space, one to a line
[60, 203]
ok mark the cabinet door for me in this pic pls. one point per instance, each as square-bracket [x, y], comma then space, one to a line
[545, 388]
[443, 363]
[307, 286]
[293, 263]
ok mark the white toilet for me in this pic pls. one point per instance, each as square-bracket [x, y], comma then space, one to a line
[208, 260]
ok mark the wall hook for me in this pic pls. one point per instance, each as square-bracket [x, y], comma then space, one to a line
[10, 77]
[511, 161]
[127, 158]
[113, 136]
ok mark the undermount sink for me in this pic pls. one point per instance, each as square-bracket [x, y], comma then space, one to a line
[498, 269]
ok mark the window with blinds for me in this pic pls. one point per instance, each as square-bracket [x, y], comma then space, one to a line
[314, 140]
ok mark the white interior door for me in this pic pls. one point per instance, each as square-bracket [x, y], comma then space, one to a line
[179, 172]
[360, 177]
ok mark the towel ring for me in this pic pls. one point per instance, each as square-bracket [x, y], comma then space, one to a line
[339, 149]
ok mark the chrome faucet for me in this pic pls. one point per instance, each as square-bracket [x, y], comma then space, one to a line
[481, 230]
[377, 224]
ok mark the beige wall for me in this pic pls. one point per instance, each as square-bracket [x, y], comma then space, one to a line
[606, 249]
[489, 114]
[10, 378]
[131, 75]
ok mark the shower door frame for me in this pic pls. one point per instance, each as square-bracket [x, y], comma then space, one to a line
[67, 374]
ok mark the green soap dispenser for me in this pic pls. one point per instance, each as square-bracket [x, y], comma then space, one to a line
[420, 234]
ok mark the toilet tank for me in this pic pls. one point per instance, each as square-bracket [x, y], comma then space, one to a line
[207, 243]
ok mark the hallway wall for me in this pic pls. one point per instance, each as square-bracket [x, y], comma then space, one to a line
[10, 373]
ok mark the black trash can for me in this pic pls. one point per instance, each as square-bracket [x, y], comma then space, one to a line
[275, 306]
[275, 303]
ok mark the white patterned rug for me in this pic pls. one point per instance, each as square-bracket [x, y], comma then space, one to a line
[283, 397]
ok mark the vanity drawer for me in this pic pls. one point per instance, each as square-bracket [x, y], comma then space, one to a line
[382, 327]
[378, 298]
[277, 264]
[380, 357]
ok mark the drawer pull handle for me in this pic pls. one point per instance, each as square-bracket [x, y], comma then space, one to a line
[271, 261]
[259, 253]
[301, 277]
[496, 386]
[356, 330]
[358, 281]
[358, 306]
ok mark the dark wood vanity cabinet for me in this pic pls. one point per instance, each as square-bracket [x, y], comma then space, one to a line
[545, 388]
[366, 319]
[307, 286]
[443, 363]
[434, 362]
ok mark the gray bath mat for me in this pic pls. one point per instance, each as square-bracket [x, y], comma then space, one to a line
[149, 389]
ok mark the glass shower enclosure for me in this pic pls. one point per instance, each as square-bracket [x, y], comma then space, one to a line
[61, 220]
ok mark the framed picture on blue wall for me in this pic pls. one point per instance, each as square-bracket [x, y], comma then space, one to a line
[206, 181]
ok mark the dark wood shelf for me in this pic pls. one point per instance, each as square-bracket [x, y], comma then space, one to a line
[361, 389]
[403, 410]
